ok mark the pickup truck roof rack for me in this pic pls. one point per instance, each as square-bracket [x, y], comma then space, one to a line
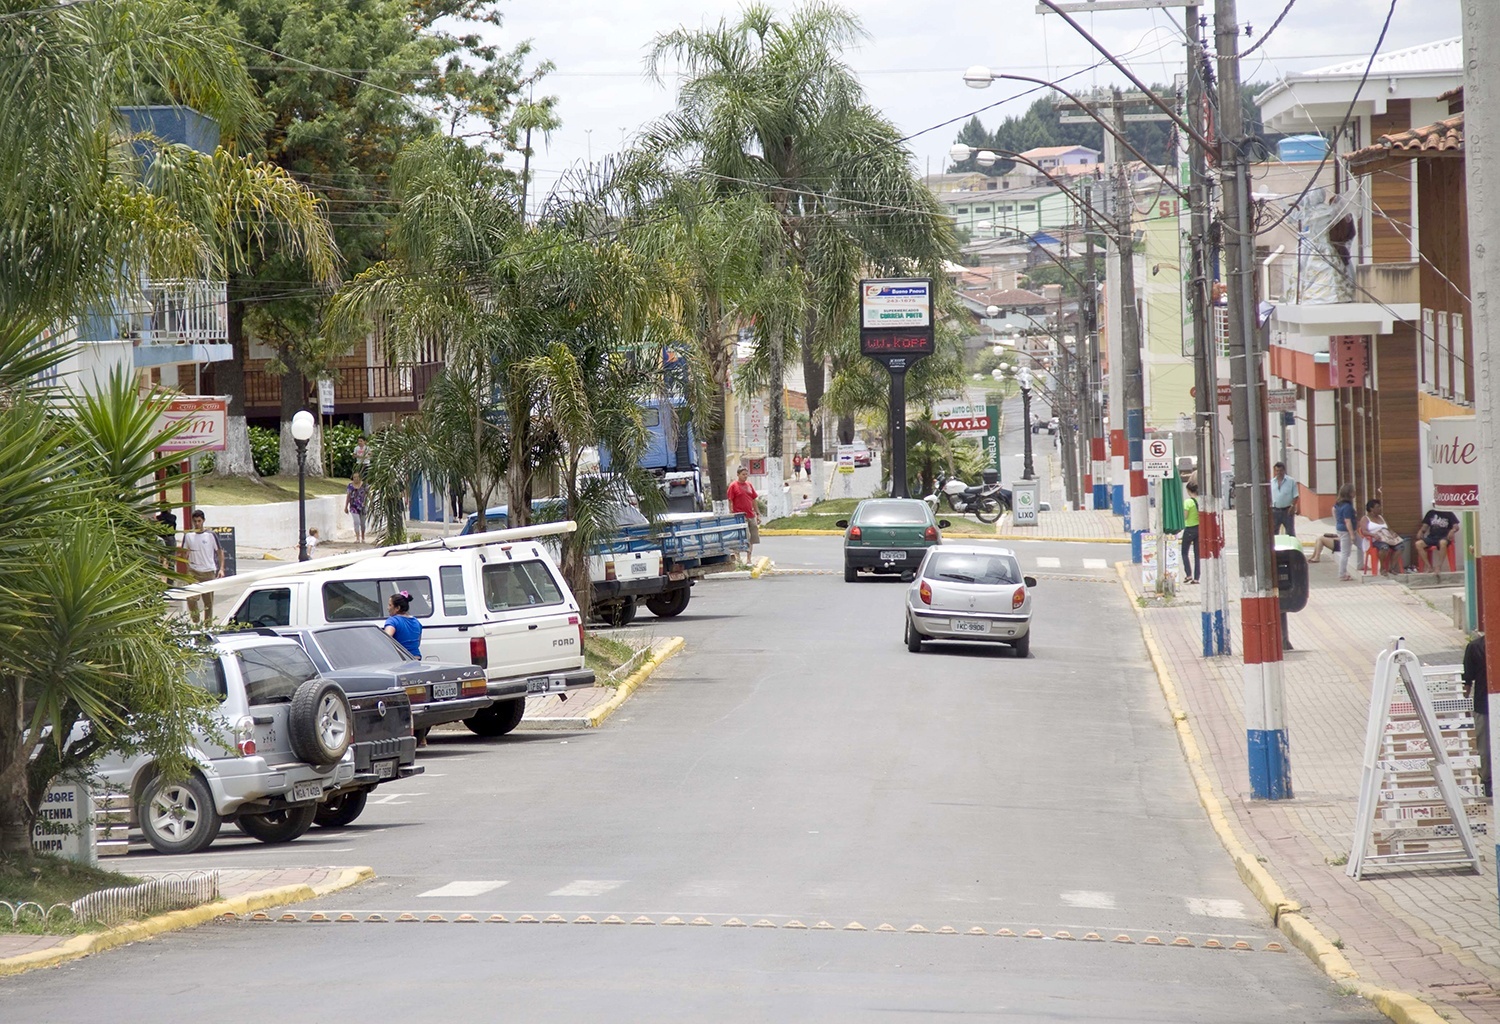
[313, 565]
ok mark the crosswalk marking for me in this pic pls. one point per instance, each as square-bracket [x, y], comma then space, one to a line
[1043, 562]
[1216, 908]
[461, 889]
[1095, 563]
[1091, 900]
[586, 887]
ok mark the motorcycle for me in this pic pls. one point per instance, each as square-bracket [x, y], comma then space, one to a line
[987, 500]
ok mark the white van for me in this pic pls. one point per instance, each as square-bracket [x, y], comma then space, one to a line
[502, 606]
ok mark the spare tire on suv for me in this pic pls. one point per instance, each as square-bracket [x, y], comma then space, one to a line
[320, 722]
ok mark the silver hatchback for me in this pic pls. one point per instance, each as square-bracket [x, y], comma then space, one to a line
[970, 592]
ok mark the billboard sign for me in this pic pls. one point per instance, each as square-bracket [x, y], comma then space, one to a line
[895, 302]
[1453, 458]
[207, 424]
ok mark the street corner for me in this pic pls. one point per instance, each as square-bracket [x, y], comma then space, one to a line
[241, 905]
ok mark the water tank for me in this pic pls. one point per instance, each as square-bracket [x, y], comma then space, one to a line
[1296, 148]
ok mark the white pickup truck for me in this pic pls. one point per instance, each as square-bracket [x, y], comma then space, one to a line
[496, 600]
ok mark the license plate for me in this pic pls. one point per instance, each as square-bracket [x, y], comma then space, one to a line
[893, 556]
[385, 769]
[638, 568]
[304, 792]
[444, 691]
[546, 684]
[970, 626]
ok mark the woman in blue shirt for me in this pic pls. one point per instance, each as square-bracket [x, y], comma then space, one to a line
[1344, 524]
[406, 630]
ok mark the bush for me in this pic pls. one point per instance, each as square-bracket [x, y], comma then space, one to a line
[265, 450]
[338, 448]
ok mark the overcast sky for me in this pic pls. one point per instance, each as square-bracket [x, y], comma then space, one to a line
[913, 61]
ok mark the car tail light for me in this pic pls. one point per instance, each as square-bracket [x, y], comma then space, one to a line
[925, 592]
[572, 619]
[244, 739]
[417, 694]
[1018, 598]
[609, 570]
[854, 533]
[474, 687]
[931, 533]
[479, 652]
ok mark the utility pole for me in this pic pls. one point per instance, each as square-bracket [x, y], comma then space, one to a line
[1138, 511]
[1481, 26]
[1091, 375]
[1205, 372]
[1260, 607]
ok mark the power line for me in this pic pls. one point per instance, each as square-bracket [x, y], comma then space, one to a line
[1267, 34]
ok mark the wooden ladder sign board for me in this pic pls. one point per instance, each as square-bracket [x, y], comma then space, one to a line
[1420, 797]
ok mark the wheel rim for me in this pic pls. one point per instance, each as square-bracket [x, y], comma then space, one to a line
[333, 726]
[174, 813]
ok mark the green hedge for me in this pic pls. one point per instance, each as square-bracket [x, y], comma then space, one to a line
[338, 448]
[265, 450]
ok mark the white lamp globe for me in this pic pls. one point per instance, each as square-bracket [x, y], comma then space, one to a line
[302, 426]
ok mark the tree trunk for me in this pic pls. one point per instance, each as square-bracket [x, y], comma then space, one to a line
[294, 399]
[229, 380]
[716, 437]
[776, 393]
[16, 811]
[846, 429]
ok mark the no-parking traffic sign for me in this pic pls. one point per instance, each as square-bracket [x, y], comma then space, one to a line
[1158, 460]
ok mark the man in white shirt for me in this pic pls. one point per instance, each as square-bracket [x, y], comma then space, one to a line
[1283, 501]
[205, 561]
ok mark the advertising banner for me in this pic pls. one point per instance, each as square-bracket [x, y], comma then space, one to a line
[208, 424]
[1453, 458]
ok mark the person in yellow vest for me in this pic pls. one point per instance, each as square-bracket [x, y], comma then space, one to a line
[1190, 569]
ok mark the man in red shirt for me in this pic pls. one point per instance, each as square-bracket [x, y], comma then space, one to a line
[742, 499]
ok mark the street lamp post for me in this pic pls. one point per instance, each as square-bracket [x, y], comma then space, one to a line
[1023, 377]
[302, 432]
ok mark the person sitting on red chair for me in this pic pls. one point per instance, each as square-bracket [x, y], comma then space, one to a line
[1438, 532]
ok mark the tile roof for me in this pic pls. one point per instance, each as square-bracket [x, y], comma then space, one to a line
[1438, 55]
[1009, 298]
[1041, 151]
[1444, 138]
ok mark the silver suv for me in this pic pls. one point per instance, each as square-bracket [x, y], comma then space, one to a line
[288, 732]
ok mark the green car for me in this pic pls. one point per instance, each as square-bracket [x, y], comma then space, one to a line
[888, 536]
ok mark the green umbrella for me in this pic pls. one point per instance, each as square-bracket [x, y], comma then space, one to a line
[1171, 504]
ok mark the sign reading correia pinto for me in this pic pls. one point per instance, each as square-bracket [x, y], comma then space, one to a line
[895, 316]
[1453, 458]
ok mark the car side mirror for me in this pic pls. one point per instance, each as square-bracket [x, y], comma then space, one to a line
[1030, 581]
[842, 524]
[943, 524]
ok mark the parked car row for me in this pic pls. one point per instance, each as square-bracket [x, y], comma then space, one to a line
[318, 705]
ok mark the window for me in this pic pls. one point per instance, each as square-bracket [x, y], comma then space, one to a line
[518, 585]
[1460, 374]
[455, 601]
[361, 600]
[273, 673]
[981, 209]
[1442, 353]
[988, 569]
[961, 209]
[359, 646]
[893, 513]
[651, 417]
[265, 608]
[1427, 371]
[208, 675]
[1028, 207]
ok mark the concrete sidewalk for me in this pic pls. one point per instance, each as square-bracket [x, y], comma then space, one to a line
[1433, 933]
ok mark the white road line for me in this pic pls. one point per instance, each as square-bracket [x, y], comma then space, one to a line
[461, 889]
[1088, 898]
[1216, 908]
[393, 798]
[1095, 563]
[1043, 562]
[585, 887]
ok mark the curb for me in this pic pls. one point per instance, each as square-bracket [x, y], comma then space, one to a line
[85, 945]
[802, 533]
[633, 682]
[1285, 913]
[761, 565]
[1062, 540]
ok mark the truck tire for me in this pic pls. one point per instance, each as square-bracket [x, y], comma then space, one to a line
[498, 719]
[178, 817]
[618, 613]
[319, 722]
[338, 811]
[670, 604]
[278, 826]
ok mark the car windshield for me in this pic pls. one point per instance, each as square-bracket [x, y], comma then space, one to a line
[359, 647]
[962, 567]
[892, 513]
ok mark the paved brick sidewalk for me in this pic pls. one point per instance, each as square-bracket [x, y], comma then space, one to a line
[1434, 933]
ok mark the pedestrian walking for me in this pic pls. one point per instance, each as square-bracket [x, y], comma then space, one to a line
[401, 626]
[313, 540]
[742, 500]
[205, 561]
[356, 496]
[1283, 501]
[1438, 532]
[1476, 688]
[362, 455]
[1191, 568]
[796, 465]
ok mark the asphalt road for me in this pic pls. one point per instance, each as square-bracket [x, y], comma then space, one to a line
[795, 764]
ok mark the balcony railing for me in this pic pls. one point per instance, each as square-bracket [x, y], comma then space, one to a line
[189, 311]
[354, 387]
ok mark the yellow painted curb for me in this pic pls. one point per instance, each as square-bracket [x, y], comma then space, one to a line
[1062, 540]
[802, 533]
[632, 682]
[761, 565]
[1401, 1007]
[84, 945]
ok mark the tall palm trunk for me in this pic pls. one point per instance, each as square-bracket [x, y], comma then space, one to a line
[229, 380]
[812, 372]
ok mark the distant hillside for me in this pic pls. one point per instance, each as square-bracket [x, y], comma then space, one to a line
[1040, 126]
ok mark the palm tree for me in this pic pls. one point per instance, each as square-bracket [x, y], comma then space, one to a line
[768, 108]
